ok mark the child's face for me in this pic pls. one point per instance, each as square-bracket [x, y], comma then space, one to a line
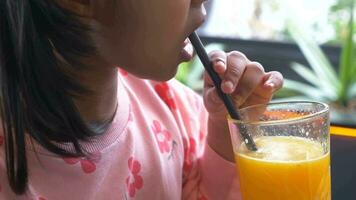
[145, 37]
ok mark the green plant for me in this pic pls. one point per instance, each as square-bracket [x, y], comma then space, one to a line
[325, 84]
[337, 15]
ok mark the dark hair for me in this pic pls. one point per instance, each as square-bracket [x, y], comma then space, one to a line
[39, 43]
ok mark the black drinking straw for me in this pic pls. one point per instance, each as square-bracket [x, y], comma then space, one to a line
[208, 65]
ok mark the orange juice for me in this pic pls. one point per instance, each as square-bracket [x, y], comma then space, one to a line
[285, 168]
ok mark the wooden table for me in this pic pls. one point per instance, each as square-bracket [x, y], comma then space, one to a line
[343, 163]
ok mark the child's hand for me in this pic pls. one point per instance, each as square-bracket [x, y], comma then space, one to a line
[245, 81]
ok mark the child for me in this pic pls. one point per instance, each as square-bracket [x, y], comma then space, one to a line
[76, 128]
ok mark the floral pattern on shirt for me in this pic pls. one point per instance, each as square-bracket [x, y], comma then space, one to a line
[87, 164]
[163, 137]
[165, 94]
[134, 181]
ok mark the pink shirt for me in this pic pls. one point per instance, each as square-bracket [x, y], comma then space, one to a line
[155, 148]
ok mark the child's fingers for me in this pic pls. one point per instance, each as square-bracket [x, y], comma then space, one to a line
[236, 65]
[208, 83]
[252, 78]
[273, 81]
[218, 58]
[212, 101]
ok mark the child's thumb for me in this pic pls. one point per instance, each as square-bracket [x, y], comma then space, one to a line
[212, 101]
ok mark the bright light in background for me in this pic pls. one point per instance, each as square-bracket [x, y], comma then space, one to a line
[266, 19]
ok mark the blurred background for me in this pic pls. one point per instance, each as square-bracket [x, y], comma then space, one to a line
[267, 19]
[312, 43]
[262, 30]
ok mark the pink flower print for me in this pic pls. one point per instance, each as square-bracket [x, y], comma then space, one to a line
[88, 165]
[134, 181]
[123, 72]
[163, 137]
[189, 154]
[1, 140]
[41, 198]
[165, 94]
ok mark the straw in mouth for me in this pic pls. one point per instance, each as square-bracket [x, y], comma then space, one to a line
[208, 65]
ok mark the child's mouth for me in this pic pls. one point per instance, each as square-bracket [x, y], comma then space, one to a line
[187, 51]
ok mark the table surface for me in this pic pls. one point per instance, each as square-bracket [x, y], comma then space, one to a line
[343, 163]
[341, 131]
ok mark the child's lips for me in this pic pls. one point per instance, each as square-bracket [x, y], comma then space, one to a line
[187, 51]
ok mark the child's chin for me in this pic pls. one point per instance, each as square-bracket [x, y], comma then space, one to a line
[165, 76]
[160, 75]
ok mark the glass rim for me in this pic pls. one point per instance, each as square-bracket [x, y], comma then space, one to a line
[325, 109]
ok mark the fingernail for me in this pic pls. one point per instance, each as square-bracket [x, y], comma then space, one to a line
[269, 83]
[229, 86]
[221, 66]
[220, 62]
